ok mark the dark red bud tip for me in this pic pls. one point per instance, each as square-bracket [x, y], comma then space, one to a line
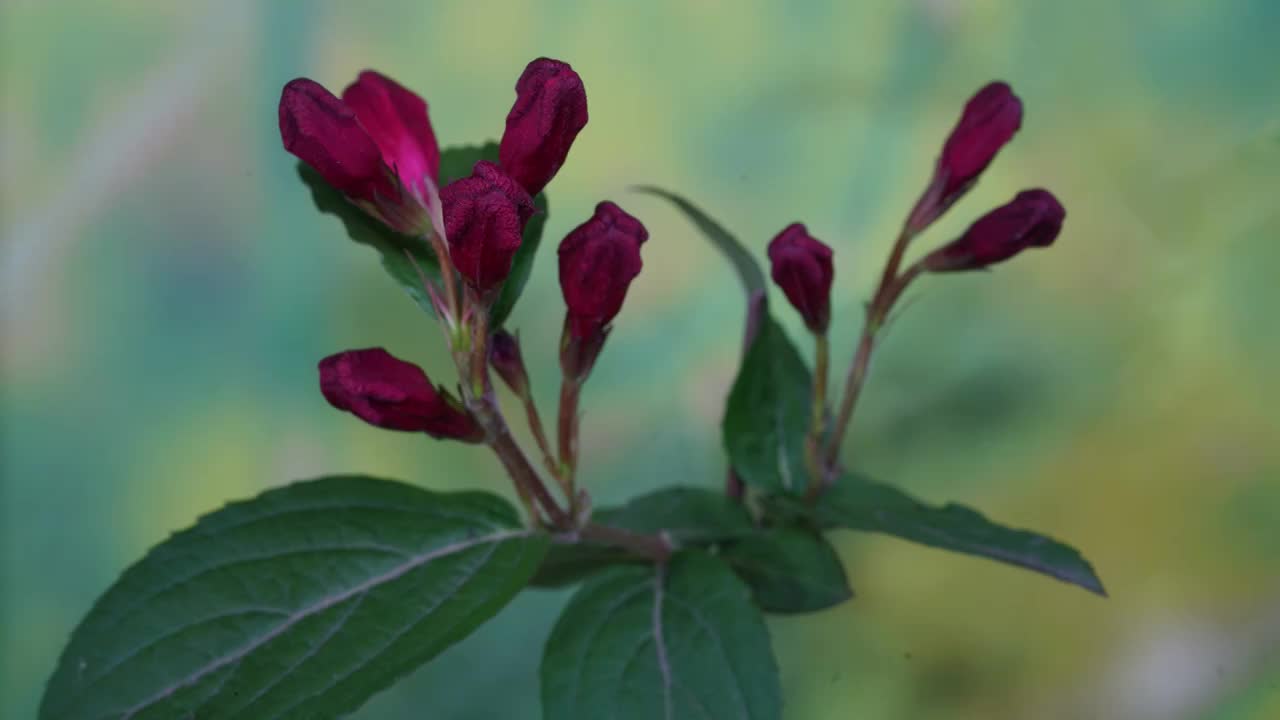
[1032, 219]
[324, 133]
[396, 119]
[598, 261]
[506, 359]
[550, 109]
[390, 393]
[802, 267]
[989, 121]
[484, 217]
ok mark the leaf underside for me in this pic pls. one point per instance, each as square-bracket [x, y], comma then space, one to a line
[668, 641]
[300, 603]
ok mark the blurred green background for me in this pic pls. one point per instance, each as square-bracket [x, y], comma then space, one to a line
[167, 289]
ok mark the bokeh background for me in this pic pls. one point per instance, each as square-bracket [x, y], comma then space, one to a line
[167, 289]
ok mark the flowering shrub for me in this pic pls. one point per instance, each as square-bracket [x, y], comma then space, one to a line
[308, 599]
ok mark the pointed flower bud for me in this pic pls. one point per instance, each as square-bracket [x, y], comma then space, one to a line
[802, 268]
[324, 133]
[598, 261]
[506, 359]
[397, 121]
[989, 121]
[390, 393]
[484, 217]
[550, 109]
[1032, 219]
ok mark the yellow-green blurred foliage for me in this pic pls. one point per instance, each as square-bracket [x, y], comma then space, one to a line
[167, 289]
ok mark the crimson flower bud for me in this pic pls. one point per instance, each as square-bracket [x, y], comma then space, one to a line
[506, 359]
[325, 133]
[989, 121]
[598, 261]
[1032, 219]
[802, 268]
[397, 121]
[550, 109]
[390, 393]
[484, 217]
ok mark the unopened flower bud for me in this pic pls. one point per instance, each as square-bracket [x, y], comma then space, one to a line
[484, 217]
[802, 268]
[598, 261]
[506, 359]
[989, 121]
[390, 393]
[396, 119]
[324, 133]
[550, 109]
[1032, 219]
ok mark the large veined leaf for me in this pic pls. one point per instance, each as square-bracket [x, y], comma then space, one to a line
[300, 603]
[861, 504]
[690, 516]
[767, 417]
[664, 642]
[789, 570]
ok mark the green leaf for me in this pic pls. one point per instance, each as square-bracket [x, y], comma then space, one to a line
[667, 641]
[521, 264]
[367, 230]
[302, 602]
[789, 570]
[689, 515]
[767, 416]
[860, 504]
[457, 162]
[749, 271]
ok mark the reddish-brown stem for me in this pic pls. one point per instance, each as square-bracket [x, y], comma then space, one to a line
[891, 288]
[499, 438]
[813, 443]
[654, 547]
[544, 445]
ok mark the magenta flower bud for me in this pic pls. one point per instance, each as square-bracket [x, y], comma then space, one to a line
[390, 393]
[802, 268]
[324, 133]
[484, 217]
[506, 359]
[598, 261]
[989, 121]
[1032, 219]
[550, 109]
[397, 121]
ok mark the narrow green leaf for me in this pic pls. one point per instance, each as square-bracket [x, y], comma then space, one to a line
[366, 230]
[668, 641]
[789, 570]
[521, 264]
[767, 416]
[691, 516]
[860, 504]
[302, 602]
[749, 271]
[457, 162]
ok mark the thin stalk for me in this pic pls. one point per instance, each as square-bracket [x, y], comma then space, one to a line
[813, 443]
[567, 433]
